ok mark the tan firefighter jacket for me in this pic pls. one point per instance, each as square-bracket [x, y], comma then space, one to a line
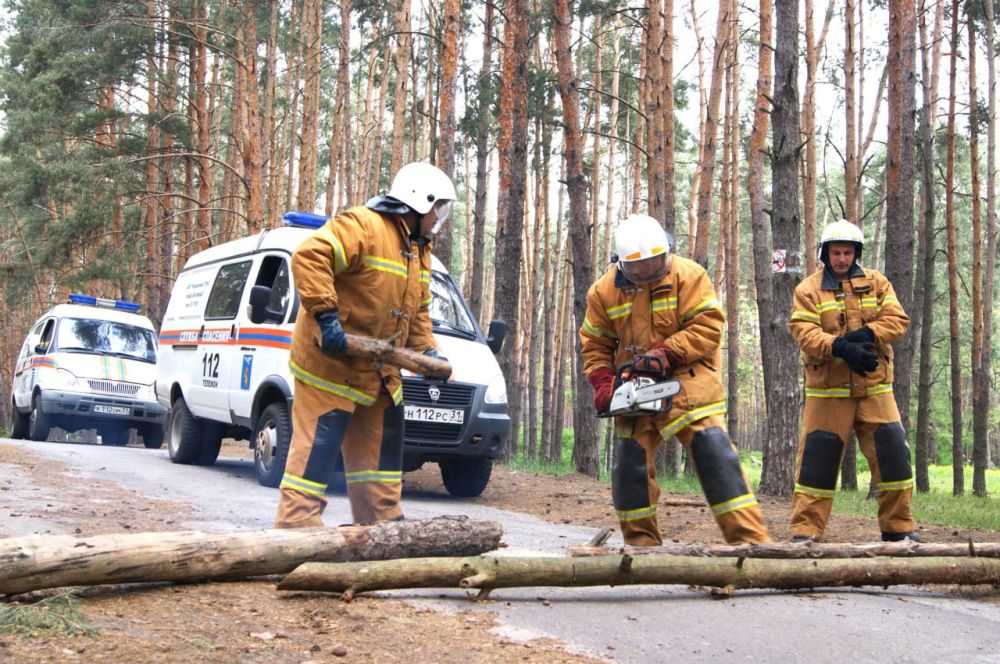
[680, 311]
[364, 264]
[825, 308]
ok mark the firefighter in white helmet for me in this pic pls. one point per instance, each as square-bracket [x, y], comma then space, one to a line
[365, 272]
[845, 318]
[653, 304]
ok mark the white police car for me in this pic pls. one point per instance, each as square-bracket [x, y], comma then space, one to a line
[223, 366]
[89, 364]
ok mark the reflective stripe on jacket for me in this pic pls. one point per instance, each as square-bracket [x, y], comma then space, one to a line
[825, 308]
[363, 263]
[680, 310]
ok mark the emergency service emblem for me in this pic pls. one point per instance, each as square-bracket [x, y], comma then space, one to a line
[247, 370]
[434, 393]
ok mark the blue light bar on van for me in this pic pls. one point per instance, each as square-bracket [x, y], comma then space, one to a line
[122, 305]
[304, 219]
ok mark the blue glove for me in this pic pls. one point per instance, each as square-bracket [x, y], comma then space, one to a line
[433, 352]
[334, 339]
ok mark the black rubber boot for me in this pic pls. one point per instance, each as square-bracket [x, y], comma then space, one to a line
[900, 537]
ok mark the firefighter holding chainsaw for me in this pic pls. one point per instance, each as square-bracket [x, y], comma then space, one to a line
[656, 315]
[845, 318]
[365, 272]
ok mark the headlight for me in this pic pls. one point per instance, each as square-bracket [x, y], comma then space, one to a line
[496, 392]
[62, 379]
[146, 393]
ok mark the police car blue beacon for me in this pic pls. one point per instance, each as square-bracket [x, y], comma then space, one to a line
[223, 365]
[88, 364]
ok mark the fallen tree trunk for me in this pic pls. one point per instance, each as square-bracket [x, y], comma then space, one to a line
[487, 573]
[385, 353]
[810, 550]
[35, 562]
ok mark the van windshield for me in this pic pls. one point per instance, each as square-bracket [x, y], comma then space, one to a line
[448, 310]
[106, 337]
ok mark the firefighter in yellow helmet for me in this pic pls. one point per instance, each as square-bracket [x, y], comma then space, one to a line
[365, 272]
[651, 303]
[845, 318]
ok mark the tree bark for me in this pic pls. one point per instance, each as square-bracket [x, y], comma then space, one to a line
[35, 562]
[899, 184]
[779, 351]
[386, 353]
[991, 223]
[790, 551]
[485, 87]
[312, 38]
[957, 451]
[402, 67]
[926, 275]
[585, 452]
[446, 113]
[513, 146]
[490, 572]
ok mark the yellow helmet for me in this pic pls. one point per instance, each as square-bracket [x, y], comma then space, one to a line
[841, 231]
[639, 237]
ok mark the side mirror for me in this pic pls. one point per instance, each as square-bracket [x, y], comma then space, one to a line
[260, 296]
[496, 334]
[41, 349]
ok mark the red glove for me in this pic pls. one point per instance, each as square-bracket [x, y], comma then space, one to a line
[602, 380]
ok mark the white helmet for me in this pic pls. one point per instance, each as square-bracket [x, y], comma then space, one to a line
[421, 185]
[841, 231]
[639, 237]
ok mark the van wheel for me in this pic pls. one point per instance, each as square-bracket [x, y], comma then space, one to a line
[468, 477]
[152, 436]
[272, 437]
[38, 422]
[18, 423]
[190, 439]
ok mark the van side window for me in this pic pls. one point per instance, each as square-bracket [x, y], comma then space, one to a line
[46, 339]
[274, 274]
[227, 291]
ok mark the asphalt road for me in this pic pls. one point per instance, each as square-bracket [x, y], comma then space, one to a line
[625, 624]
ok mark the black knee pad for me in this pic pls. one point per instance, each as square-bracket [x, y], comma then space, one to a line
[718, 466]
[629, 476]
[892, 452]
[821, 460]
[330, 428]
[391, 453]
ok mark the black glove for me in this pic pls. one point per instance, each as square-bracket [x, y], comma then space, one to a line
[859, 357]
[334, 339]
[862, 335]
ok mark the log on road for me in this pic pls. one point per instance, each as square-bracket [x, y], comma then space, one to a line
[489, 572]
[35, 562]
[805, 550]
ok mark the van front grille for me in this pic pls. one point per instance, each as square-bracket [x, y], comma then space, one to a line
[113, 387]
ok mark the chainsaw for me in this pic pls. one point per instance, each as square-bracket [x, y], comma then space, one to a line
[641, 392]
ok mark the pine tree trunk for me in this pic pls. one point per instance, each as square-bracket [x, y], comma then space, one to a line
[446, 112]
[925, 279]
[957, 449]
[980, 373]
[340, 135]
[482, 155]
[899, 174]
[991, 232]
[513, 150]
[850, 115]
[778, 350]
[402, 69]
[711, 128]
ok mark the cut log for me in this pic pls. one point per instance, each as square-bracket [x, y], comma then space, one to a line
[383, 352]
[35, 562]
[805, 550]
[489, 572]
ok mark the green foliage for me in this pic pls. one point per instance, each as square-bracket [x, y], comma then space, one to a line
[53, 616]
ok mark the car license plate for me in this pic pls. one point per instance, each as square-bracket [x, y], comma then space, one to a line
[430, 414]
[112, 410]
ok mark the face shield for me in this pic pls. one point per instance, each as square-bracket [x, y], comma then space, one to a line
[646, 270]
[442, 210]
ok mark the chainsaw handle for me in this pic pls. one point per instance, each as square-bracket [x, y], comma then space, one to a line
[619, 375]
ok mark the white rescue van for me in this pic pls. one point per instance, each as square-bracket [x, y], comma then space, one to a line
[223, 365]
[89, 364]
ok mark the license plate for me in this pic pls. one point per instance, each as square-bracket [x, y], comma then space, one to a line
[430, 414]
[112, 410]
